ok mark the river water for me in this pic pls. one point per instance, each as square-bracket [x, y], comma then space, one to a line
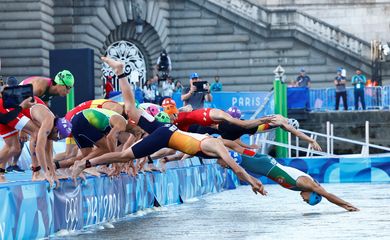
[240, 214]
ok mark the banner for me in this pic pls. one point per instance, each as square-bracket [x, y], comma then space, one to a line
[247, 102]
[298, 98]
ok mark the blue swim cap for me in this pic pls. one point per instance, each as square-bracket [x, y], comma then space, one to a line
[314, 198]
[236, 157]
[194, 75]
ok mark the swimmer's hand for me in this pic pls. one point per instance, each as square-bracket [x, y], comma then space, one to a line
[350, 207]
[254, 146]
[315, 146]
[258, 187]
[278, 120]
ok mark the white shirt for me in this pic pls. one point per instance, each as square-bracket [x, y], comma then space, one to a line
[167, 89]
[149, 93]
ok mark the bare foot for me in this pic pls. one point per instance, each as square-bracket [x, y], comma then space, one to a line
[92, 171]
[115, 65]
[146, 168]
[137, 165]
[103, 169]
[61, 174]
[131, 170]
[82, 176]
[56, 180]
[50, 179]
[78, 167]
[38, 176]
[153, 168]
[2, 178]
[163, 165]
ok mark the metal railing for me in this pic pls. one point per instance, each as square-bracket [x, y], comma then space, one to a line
[324, 99]
[330, 139]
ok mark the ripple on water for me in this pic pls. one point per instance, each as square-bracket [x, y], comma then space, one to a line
[240, 214]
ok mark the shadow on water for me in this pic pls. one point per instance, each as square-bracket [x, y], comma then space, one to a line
[313, 214]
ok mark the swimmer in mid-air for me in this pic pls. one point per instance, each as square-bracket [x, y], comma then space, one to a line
[162, 135]
[288, 177]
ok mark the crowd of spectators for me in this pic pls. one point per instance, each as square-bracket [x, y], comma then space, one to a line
[162, 85]
[358, 81]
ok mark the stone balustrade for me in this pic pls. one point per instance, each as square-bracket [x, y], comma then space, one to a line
[285, 19]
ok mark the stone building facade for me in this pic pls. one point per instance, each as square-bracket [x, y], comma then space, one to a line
[238, 40]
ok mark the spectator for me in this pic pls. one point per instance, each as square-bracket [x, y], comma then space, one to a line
[178, 87]
[149, 92]
[167, 88]
[341, 91]
[108, 87]
[163, 65]
[359, 81]
[216, 86]
[191, 95]
[303, 80]
[11, 149]
[292, 83]
[155, 87]
[13, 163]
[138, 93]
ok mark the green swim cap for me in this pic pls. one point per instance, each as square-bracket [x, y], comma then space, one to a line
[64, 78]
[163, 117]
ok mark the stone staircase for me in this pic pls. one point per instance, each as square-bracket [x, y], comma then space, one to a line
[235, 39]
[244, 46]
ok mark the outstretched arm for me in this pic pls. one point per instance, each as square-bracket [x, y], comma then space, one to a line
[242, 144]
[306, 183]
[232, 145]
[219, 115]
[301, 135]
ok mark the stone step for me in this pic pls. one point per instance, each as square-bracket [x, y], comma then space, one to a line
[239, 55]
[266, 78]
[178, 14]
[317, 65]
[196, 31]
[187, 39]
[216, 47]
[248, 64]
[194, 22]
